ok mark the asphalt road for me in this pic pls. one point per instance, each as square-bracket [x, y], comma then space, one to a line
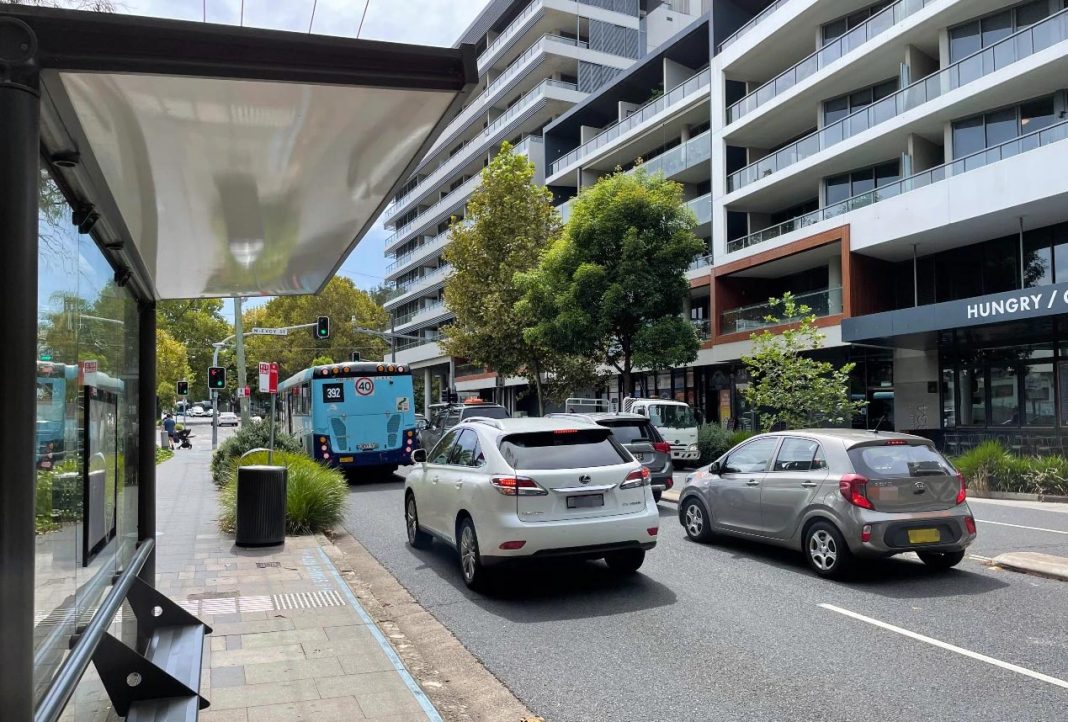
[736, 631]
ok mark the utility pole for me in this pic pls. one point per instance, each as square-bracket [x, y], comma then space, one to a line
[239, 348]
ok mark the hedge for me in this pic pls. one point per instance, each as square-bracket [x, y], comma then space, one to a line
[991, 467]
[251, 435]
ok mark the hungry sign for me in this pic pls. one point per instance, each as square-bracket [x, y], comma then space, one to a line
[1041, 301]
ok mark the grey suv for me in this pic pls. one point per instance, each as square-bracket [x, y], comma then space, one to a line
[446, 417]
[641, 439]
[835, 494]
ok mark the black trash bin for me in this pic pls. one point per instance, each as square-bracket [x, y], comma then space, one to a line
[261, 506]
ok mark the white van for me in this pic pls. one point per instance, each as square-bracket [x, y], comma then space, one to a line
[676, 423]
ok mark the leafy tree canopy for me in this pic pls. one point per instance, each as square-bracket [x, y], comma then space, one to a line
[789, 388]
[196, 324]
[612, 289]
[172, 365]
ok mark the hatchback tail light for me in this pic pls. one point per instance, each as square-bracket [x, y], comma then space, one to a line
[962, 493]
[969, 523]
[662, 446]
[517, 486]
[854, 488]
[635, 479]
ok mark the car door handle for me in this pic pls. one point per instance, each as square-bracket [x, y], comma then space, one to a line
[809, 484]
[752, 482]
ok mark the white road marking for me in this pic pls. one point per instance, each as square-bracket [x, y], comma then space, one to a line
[952, 648]
[979, 557]
[1021, 526]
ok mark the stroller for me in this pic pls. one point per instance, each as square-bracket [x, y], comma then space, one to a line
[182, 437]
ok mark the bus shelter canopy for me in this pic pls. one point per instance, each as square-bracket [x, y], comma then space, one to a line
[214, 161]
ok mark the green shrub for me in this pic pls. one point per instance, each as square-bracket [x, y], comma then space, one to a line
[163, 454]
[315, 493]
[713, 441]
[990, 467]
[252, 435]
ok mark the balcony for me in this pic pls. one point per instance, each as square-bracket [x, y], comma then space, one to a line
[674, 97]
[1009, 149]
[703, 329]
[1018, 46]
[753, 318]
[404, 344]
[463, 155]
[434, 245]
[874, 26]
[701, 262]
[702, 208]
[426, 313]
[410, 289]
[757, 19]
[682, 157]
[508, 34]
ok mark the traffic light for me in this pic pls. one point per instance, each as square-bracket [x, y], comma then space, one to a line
[216, 377]
[183, 388]
[322, 327]
[354, 356]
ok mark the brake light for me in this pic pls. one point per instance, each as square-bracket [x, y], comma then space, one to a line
[509, 545]
[865, 533]
[854, 488]
[662, 446]
[651, 531]
[635, 479]
[565, 431]
[969, 523]
[517, 486]
[962, 493]
[897, 442]
[668, 483]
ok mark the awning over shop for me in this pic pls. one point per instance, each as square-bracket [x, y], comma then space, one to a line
[219, 161]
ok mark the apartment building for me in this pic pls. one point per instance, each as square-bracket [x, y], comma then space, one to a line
[536, 59]
[894, 165]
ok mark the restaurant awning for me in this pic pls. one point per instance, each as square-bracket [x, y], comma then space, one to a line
[214, 161]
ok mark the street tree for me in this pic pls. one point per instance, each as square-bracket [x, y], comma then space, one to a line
[788, 387]
[196, 324]
[612, 288]
[172, 366]
[510, 222]
[342, 302]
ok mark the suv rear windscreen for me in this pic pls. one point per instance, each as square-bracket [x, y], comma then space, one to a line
[488, 412]
[632, 432]
[899, 460]
[547, 450]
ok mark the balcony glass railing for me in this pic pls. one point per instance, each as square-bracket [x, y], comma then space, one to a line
[427, 279]
[509, 33]
[427, 311]
[875, 25]
[652, 108]
[1015, 47]
[404, 344]
[1008, 149]
[432, 246]
[686, 155]
[700, 262]
[752, 318]
[703, 328]
[702, 208]
[757, 19]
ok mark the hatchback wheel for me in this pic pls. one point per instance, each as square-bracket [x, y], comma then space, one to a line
[470, 559]
[826, 550]
[416, 536]
[941, 560]
[696, 520]
[625, 562]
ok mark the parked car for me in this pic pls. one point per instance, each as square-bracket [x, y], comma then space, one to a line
[501, 490]
[638, 436]
[835, 494]
[228, 418]
[450, 415]
[196, 411]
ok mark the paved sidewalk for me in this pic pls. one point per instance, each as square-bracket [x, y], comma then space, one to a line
[290, 640]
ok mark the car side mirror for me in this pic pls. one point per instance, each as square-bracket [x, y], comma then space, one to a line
[715, 468]
[419, 456]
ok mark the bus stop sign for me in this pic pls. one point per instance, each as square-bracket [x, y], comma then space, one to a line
[268, 377]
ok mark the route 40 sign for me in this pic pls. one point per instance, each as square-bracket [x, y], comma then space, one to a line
[365, 386]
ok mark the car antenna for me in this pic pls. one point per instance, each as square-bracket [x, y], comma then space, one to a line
[878, 424]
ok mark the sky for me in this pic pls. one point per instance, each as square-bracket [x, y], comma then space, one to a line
[426, 22]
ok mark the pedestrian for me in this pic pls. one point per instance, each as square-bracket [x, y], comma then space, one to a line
[169, 426]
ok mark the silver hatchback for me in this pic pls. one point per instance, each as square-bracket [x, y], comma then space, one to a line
[836, 495]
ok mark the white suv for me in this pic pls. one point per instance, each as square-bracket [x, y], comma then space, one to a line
[506, 489]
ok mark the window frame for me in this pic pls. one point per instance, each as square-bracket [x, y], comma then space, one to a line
[450, 437]
[777, 442]
[782, 445]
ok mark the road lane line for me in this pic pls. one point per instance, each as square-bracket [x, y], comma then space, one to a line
[952, 648]
[1020, 526]
[979, 557]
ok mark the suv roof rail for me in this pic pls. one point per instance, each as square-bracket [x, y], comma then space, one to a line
[495, 423]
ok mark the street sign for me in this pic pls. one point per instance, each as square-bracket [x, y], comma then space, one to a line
[365, 386]
[268, 377]
[246, 392]
[269, 332]
[90, 367]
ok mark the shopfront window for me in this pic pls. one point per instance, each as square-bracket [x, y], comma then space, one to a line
[1039, 395]
[1004, 397]
[973, 397]
[949, 398]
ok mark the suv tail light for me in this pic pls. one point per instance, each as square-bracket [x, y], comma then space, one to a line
[662, 446]
[636, 479]
[854, 488]
[517, 486]
[962, 493]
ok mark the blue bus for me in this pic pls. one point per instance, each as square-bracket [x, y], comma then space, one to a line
[352, 415]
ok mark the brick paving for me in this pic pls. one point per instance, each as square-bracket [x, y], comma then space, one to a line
[290, 641]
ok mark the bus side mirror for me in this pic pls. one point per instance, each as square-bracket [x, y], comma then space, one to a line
[419, 456]
[423, 425]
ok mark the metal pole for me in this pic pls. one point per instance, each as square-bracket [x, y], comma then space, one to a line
[270, 449]
[20, 118]
[239, 348]
[146, 411]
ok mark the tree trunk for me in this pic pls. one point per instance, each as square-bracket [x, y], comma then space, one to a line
[626, 374]
[537, 386]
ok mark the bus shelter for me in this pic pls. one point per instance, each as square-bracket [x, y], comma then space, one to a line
[144, 160]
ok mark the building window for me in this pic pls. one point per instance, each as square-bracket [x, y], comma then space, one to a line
[949, 398]
[839, 27]
[847, 185]
[837, 108]
[1004, 397]
[1039, 395]
[978, 34]
[972, 135]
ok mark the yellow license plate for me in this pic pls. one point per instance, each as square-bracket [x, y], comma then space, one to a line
[924, 536]
[345, 459]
